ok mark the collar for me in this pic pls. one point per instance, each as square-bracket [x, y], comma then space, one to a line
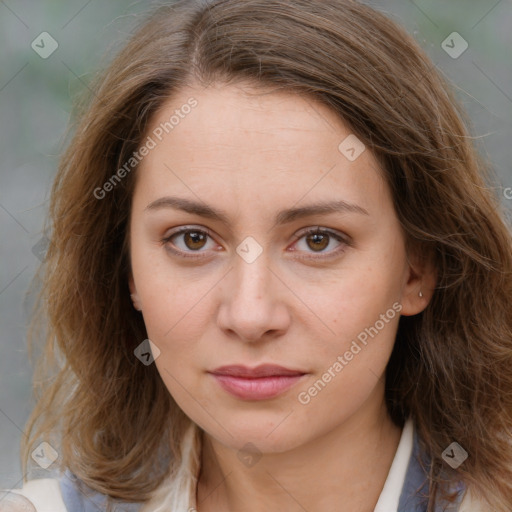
[390, 496]
[406, 488]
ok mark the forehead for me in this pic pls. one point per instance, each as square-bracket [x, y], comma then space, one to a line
[246, 144]
[242, 117]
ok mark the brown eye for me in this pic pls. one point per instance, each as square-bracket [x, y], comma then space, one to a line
[318, 241]
[194, 239]
[324, 242]
[189, 242]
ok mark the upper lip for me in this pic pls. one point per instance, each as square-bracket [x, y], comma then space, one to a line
[264, 370]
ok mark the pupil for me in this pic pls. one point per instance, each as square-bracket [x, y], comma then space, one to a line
[195, 237]
[318, 239]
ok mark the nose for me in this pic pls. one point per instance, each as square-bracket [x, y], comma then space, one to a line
[253, 304]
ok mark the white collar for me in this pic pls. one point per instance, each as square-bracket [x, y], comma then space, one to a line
[390, 495]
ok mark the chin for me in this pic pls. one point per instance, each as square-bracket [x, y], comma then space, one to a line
[266, 435]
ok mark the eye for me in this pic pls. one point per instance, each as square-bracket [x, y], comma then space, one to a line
[188, 240]
[316, 240]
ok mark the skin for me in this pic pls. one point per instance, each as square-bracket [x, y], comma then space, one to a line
[252, 153]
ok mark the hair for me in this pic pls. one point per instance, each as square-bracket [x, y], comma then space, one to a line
[121, 432]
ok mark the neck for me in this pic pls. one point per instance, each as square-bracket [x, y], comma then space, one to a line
[343, 470]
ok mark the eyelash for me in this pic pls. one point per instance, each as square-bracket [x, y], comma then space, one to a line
[186, 229]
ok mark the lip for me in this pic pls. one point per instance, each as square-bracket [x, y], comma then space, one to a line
[260, 383]
[263, 370]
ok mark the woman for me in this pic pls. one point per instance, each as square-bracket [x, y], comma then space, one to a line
[276, 279]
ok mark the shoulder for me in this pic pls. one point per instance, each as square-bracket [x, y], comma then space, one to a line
[40, 495]
[415, 486]
[62, 494]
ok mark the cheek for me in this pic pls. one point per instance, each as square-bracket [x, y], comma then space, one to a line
[175, 322]
[351, 362]
[169, 311]
[172, 298]
[354, 300]
[357, 318]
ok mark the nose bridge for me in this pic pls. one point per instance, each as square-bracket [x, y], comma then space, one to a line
[252, 275]
[250, 306]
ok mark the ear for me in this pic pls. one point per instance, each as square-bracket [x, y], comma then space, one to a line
[421, 276]
[133, 293]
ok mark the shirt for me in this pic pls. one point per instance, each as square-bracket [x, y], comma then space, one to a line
[405, 489]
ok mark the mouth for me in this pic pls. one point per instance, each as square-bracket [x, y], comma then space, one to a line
[260, 383]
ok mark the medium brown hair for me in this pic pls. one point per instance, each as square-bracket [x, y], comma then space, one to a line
[450, 369]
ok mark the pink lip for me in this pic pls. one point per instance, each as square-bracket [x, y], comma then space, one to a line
[263, 370]
[260, 383]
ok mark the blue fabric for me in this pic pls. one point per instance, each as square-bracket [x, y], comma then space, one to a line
[415, 491]
[413, 498]
[79, 498]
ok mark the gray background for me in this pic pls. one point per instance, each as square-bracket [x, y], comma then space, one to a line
[36, 95]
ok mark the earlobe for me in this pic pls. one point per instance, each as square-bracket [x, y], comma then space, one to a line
[133, 294]
[136, 301]
[419, 287]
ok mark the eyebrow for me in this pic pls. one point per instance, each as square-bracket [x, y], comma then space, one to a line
[283, 217]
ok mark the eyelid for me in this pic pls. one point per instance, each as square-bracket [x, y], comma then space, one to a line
[319, 229]
[342, 238]
[345, 240]
[184, 229]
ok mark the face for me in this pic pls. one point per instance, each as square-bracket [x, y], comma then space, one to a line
[234, 262]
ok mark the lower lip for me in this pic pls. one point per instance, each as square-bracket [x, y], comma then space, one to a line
[261, 388]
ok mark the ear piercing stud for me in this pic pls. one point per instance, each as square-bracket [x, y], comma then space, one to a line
[420, 294]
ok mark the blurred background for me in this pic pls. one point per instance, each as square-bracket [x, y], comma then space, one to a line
[50, 51]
